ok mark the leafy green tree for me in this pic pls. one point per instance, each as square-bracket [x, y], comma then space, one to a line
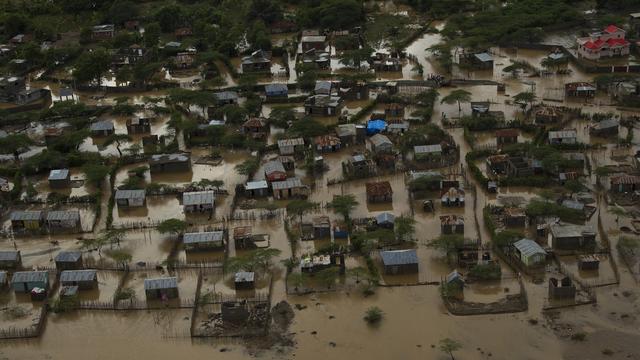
[95, 173]
[449, 346]
[117, 139]
[120, 256]
[248, 166]
[328, 276]
[405, 228]
[524, 99]
[299, 207]
[343, 205]
[91, 66]
[172, 226]
[14, 143]
[152, 34]
[458, 96]
[447, 243]
[298, 280]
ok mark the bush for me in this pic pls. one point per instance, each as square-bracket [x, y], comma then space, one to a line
[490, 271]
[373, 315]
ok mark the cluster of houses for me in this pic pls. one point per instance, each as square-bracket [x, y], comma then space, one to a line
[52, 221]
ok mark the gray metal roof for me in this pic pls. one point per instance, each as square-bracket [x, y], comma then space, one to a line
[130, 194]
[161, 283]
[26, 215]
[58, 174]
[226, 95]
[273, 166]
[78, 275]
[484, 57]
[427, 149]
[255, 185]
[9, 255]
[244, 276]
[453, 276]
[573, 204]
[101, 126]
[428, 174]
[198, 198]
[606, 124]
[379, 139]
[68, 256]
[399, 257]
[63, 215]
[563, 134]
[291, 142]
[203, 237]
[529, 247]
[568, 231]
[270, 88]
[385, 217]
[290, 183]
[3, 277]
[323, 86]
[29, 276]
[168, 158]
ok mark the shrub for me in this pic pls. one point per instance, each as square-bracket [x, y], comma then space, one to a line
[373, 315]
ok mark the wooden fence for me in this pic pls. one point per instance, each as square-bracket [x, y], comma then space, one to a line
[30, 332]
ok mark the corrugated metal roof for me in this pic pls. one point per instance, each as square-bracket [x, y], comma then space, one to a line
[161, 283]
[291, 142]
[203, 237]
[256, 185]
[63, 215]
[606, 124]
[454, 276]
[563, 134]
[101, 126]
[9, 255]
[58, 174]
[529, 247]
[625, 179]
[290, 183]
[276, 88]
[78, 275]
[226, 95]
[273, 166]
[567, 231]
[198, 198]
[385, 217]
[379, 139]
[427, 149]
[130, 194]
[168, 158]
[399, 257]
[244, 276]
[26, 215]
[484, 57]
[29, 276]
[68, 256]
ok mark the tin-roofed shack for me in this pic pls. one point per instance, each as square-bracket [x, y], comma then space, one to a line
[63, 220]
[452, 224]
[138, 125]
[379, 143]
[27, 220]
[625, 183]
[161, 288]
[274, 171]
[198, 201]
[291, 146]
[289, 188]
[378, 192]
[572, 237]
[605, 128]
[25, 281]
[529, 252]
[212, 240]
[59, 179]
[563, 289]
[259, 188]
[102, 128]
[68, 260]
[580, 89]
[506, 137]
[170, 163]
[244, 280]
[83, 279]
[10, 259]
[130, 198]
[399, 261]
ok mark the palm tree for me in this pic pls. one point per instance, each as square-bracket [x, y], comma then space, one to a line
[457, 96]
[525, 98]
[118, 139]
[448, 346]
[343, 205]
[300, 207]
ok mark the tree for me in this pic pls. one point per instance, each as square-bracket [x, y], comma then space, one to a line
[343, 205]
[120, 256]
[355, 58]
[118, 139]
[524, 99]
[457, 96]
[152, 34]
[248, 166]
[258, 259]
[112, 236]
[373, 315]
[447, 243]
[299, 207]
[449, 346]
[14, 143]
[328, 276]
[172, 226]
[91, 66]
[573, 185]
[405, 228]
[95, 173]
[263, 257]
[298, 280]
[358, 272]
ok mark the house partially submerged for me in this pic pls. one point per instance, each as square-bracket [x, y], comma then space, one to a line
[289, 188]
[161, 288]
[63, 221]
[160, 163]
[244, 280]
[580, 90]
[452, 224]
[397, 262]
[226, 98]
[317, 42]
[291, 146]
[506, 137]
[274, 171]
[561, 290]
[257, 61]
[569, 136]
[625, 183]
[453, 196]
[103, 32]
[258, 188]
[609, 42]
[10, 259]
[572, 237]
[427, 152]
[68, 260]
[529, 252]
[276, 91]
[59, 179]
[605, 128]
[25, 281]
[379, 192]
[138, 125]
[385, 220]
[102, 128]
[323, 105]
[203, 241]
[83, 279]
[379, 144]
[514, 217]
[198, 201]
[130, 198]
[326, 143]
[319, 59]
[27, 220]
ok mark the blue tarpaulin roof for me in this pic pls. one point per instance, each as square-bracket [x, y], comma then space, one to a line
[375, 126]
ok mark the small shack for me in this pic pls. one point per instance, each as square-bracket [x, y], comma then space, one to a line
[198, 201]
[289, 188]
[605, 128]
[138, 125]
[101, 128]
[130, 198]
[258, 188]
[321, 227]
[244, 280]
[399, 261]
[291, 146]
[83, 279]
[274, 171]
[588, 262]
[561, 290]
[529, 252]
[514, 217]
[10, 259]
[452, 197]
[506, 137]
[27, 220]
[379, 144]
[276, 91]
[379, 192]
[170, 163]
[386, 220]
[452, 224]
[68, 260]
[625, 183]
[63, 220]
[572, 237]
[25, 281]
[161, 288]
[59, 179]
[203, 241]
[427, 152]
[580, 89]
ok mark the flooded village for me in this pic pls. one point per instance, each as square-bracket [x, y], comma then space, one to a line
[300, 179]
